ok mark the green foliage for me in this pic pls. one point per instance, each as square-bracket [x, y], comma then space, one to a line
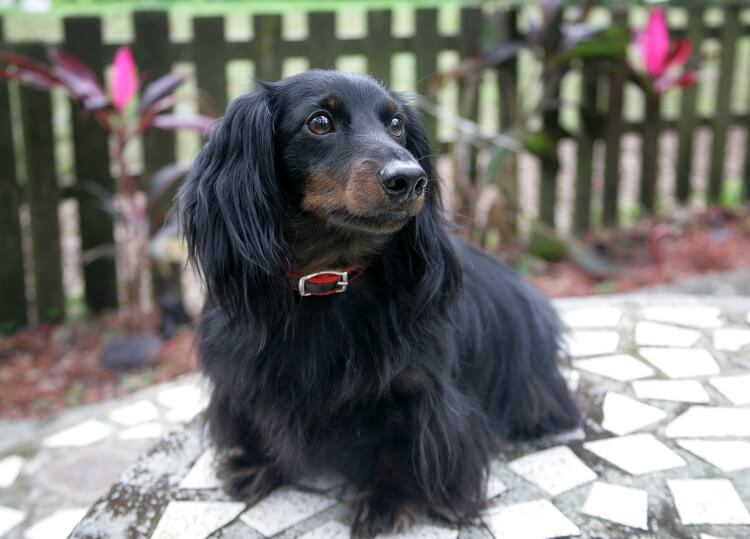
[546, 245]
[732, 194]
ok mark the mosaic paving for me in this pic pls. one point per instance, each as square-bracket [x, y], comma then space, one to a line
[665, 451]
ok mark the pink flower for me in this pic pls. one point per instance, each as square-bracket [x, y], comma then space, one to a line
[123, 84]
[664, 60]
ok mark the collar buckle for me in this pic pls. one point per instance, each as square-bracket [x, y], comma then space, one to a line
[340, 285]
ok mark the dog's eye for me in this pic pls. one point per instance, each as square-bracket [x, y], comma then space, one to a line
[320, 124]
[397, 126]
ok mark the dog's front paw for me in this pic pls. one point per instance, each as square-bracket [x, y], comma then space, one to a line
[381, 513]
[245, 480]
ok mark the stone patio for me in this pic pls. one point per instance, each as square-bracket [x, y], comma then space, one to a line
[665, 452]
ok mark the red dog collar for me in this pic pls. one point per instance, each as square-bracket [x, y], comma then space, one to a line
[325, 283]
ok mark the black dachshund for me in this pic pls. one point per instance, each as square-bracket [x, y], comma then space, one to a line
[344, 327]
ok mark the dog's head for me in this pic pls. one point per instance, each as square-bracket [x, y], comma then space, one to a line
[350, 151]
[328, 164]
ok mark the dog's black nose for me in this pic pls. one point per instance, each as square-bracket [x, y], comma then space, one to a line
[403, 181]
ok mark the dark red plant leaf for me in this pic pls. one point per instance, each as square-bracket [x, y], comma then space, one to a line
[679, 53]
[172, 122]
[156, 90]
[147, 116]
[504, 52]
[68, 62]
[80, 81]
[103, 195]
[24, 62]
[28, 77]
[163, 179]
[96, 102]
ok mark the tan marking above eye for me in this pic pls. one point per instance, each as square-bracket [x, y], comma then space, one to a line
[331, 102]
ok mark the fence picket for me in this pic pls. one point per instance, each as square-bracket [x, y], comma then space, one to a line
[322, 32]
[210, 59]
[688, 115]
[379, 49]
[154, 56]
[13, 305]
[585, 151]
[721, 123]
[267, 47]
[43, 192]
[613, 135]
[650, 153]
[83, 38]
[426, 50]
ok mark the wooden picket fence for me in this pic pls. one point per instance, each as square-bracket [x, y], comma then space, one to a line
[210, 51]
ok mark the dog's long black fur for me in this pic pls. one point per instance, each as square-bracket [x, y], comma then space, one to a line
[407, 381]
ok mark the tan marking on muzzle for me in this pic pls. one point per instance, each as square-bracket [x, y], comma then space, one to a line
[323, 193]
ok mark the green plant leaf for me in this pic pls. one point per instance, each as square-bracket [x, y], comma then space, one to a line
[542, 144]
[588, 260]
[611, 43]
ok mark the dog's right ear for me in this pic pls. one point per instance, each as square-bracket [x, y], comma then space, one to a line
[231, 212]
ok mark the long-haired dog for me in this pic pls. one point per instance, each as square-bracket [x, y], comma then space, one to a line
[344, 327]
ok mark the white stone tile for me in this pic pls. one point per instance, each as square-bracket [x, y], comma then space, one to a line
[203, 473]
[707, 536]
[10, 467]
[747, 317]
[322, 481]
[85, 433]
[145, 431]
[681, 362]
[708, 501]
[727, 455]
[330, 530]
[731, 339]
[657, 334]
[195, 520]
[495, 487]
[185, 414]
[567, 436]
[623, 415]
[591, 343]
[710, 422]
[56, 526]
[187, 395]
[698, 316]
[621, 367]
[671, 390]
[554, 470]
[9, 519]
[572, 378]
[629, 453]
[537, 519]
[594, 317]
[622, 505]
[734, 388]
[139, 412]
[284, 508]
[422, 531]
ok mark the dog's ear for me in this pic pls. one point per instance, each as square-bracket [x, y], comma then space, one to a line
[427, 239]
[231, 211]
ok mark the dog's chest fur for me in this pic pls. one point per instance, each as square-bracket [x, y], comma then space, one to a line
[330, 381]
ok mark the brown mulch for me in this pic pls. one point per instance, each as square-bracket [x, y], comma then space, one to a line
[653, 253]
[50, 368]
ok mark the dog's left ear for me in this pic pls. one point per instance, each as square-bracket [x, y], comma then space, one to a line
[427, 240]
